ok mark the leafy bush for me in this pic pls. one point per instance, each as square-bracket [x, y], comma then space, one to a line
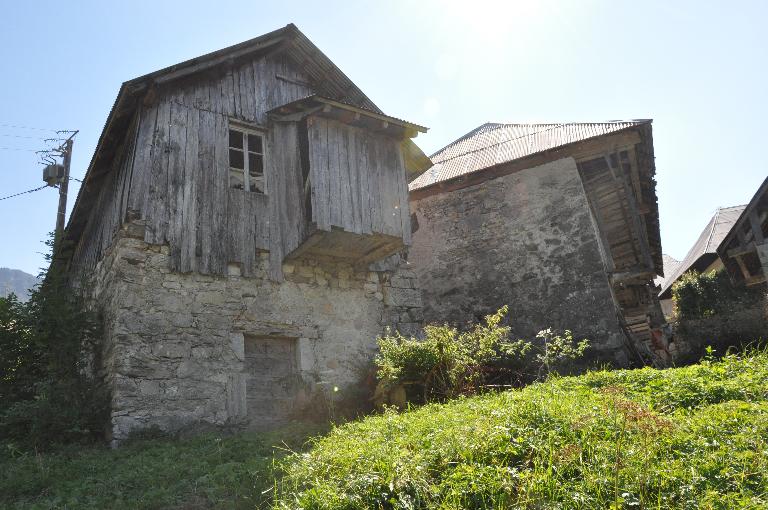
[709, 310]
[699, 295]
[448, 362]
[47, 390]
[693, 437]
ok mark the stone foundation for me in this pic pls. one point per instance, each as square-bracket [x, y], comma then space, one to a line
[192, 350]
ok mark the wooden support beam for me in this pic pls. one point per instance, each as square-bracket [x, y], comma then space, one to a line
[757, 228]
[637, 223]
[744, 270]
[741, 250]
[626, 276]
[600, 223]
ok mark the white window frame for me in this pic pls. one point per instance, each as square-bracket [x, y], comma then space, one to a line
[248, 130]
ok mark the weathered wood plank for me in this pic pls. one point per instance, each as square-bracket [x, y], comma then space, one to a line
[318, 157]
[157, 210]
[176, 169]
[219, 180]
[405, 212]
[205, 198]
[248, 92]
[191, 178]
[363, 171]
[334, 174]
[142, 161]
[374, 169]
[354, 180]
[345, 179]
[237, 107]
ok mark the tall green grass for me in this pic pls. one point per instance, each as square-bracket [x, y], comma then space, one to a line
[694, 437]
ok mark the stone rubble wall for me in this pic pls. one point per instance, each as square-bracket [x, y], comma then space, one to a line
[174, 343]
[526, 240]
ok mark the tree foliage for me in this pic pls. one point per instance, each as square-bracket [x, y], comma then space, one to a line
[48, 393]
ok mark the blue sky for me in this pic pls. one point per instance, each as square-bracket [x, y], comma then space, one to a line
[697, 68]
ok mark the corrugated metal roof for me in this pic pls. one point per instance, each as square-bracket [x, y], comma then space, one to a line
[492, 144]
[711, 237]
[670, 265]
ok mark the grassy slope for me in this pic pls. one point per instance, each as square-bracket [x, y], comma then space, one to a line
[203, 472]
[694, 437]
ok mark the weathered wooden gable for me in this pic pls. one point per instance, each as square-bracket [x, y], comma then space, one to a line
[334, 184]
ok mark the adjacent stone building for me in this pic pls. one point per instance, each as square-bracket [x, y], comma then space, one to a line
[558, 221]
[240, 229]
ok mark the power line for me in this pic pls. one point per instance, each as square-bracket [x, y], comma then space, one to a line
[24, 192]
[28, 127]
[17, 149]
[31, 137]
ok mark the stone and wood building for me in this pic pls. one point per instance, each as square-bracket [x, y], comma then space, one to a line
[559, 221]
[246, 231]
[239, 228]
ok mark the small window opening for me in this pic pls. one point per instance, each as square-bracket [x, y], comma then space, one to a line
[246, 160]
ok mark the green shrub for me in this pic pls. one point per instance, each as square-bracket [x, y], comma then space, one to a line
[700, 295]
[710, 311]
[448, 362]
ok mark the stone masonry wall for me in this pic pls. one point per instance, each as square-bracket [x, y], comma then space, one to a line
[175, 344]
[527, 240]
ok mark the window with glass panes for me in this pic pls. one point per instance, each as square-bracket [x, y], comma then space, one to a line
[246, 160]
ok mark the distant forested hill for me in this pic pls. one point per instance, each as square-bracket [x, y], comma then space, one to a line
[17, 282]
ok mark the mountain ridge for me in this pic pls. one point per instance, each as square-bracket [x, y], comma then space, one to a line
[16, 281]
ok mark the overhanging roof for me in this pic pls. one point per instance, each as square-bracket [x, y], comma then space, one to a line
[704, 250]
[760, 195]
[494, 144]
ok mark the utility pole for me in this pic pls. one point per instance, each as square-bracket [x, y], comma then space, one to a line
[63, 186]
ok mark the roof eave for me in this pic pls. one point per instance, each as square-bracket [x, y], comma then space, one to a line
[458, 178]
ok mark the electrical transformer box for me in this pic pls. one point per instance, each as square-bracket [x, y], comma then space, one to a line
[53, 174]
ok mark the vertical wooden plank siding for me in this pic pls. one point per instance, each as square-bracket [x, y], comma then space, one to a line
[177, 140]
[158, 178]
[361, 153]
[205, 190]
[172, 172]
[142, 161]
[358, 180]
[318, 167]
